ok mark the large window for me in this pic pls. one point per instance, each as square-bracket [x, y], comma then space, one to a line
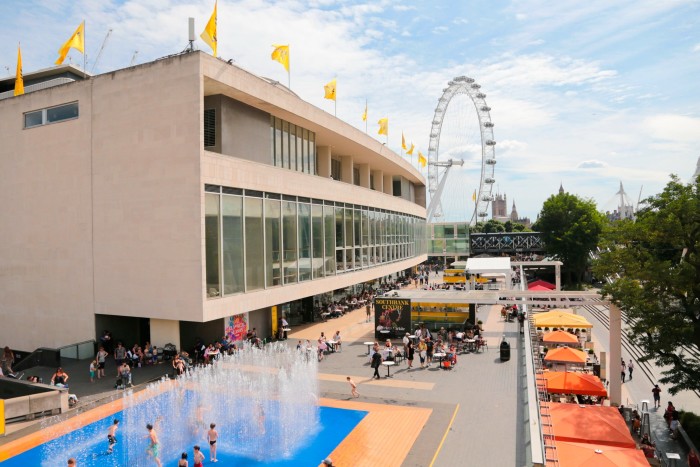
[293, 147]
[48, 115]
[256, 240]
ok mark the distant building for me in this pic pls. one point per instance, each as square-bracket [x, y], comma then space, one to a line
[499, 211]
[697, 171]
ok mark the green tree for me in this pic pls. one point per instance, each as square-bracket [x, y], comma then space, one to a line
[493, 226]
[570, 228]
[655, 264]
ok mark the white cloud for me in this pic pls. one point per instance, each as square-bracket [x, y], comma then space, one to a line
[696, 48]
[678, 128]
[592, 164]
[440, 29]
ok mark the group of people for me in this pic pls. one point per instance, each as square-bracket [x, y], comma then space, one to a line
[626, 367]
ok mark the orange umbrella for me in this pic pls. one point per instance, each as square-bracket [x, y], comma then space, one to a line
[560, 337]
[564, 382]
[594, 424]
[594, 455]
[566, 355]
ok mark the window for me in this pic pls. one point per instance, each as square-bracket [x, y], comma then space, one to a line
[209, 127]
[293, 147]
[48, 115]
[356, 176]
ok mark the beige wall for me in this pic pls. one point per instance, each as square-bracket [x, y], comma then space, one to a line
[147, 213]
[46, 286]
[164, 331]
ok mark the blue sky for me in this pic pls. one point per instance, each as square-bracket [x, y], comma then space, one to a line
[586, 94]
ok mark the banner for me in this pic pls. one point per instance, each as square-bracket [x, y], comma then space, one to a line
[393, 315]
[237, 327]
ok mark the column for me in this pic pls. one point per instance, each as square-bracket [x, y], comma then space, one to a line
[364, 175]
[323, 157]
[557, 277]
[388, 184]
[615, 349]
[346, 169]
[378, 180]
[165, 331]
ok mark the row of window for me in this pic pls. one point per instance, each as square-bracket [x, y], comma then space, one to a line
[293, 147]
[256, 240]
[51, 115]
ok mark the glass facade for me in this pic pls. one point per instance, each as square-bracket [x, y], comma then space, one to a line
[448, 239]
[257, 240]
[293, 147]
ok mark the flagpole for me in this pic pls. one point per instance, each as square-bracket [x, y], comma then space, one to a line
[366, 116]
[84, 53]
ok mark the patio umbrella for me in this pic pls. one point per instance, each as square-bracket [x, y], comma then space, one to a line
[541, 283]
[561, 318]
[539, 288]
[560, 337]
[598, 455]
[565, 382]
[566, 355]
[593, 424]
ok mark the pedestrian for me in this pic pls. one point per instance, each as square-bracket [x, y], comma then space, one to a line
[353, 388]
[693, 460]
[72, 462]
[101, 357]
[624, 371]
[183, 461]
[153, 446]
[409, 356]
[112, 436]
[376, 361]
[212, 436]
[656, 391]
[198, 457]
[93, 370]
[630, 367]
[369, 313]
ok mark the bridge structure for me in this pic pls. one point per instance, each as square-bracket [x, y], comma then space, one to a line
[506, 242]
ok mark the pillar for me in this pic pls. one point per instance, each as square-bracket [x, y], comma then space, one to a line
[557, 277]
[615, 349]
[165, 331]
[323, 158]
[388, 184]
[346, 169]
[378, 180]
[364, 175]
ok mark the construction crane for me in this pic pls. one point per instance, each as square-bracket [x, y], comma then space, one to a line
[133, 58]
[99, 54]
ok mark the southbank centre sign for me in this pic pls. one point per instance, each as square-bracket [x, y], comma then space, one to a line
[392, 317]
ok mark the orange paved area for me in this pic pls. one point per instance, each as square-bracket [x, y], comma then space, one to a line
[383, 438]
[396, 383]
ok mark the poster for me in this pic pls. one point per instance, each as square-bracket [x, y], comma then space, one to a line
[393, 315]
[237, 327]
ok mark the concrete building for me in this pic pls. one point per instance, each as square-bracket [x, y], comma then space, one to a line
[165, 200]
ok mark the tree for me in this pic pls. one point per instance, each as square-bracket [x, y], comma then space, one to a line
[657, 260]
[570, 228]
[493, 226]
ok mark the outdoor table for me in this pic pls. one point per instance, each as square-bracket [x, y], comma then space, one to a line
[325, 315]
[413, 338]
[471, 345]
[369, 345]
[331, 343]
[672, 456]
[388, 366]
[440, 355]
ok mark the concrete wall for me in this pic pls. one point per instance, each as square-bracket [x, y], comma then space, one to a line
[146, 194]
[46, 271]
[165, 331]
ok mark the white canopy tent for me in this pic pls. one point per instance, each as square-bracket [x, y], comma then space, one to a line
[490, 267]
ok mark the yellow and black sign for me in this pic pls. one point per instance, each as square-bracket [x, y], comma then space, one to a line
[393, 315]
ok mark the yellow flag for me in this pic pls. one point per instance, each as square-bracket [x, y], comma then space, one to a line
[403, 142]
[330, 90]
[421, 159]
[19, 80]
[209, 33]
[76, 41]
[383, 126]
[364, 115]
[474, 196]
[281, 54]
[410, 151]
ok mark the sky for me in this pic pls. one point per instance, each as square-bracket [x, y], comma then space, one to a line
[583, 94]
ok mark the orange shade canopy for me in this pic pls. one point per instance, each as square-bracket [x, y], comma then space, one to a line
[594, 424]
[566, 355]
[560, 337]
[565, 382]
[594, 455]
[539, 288]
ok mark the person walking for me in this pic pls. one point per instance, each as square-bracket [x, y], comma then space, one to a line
[376, 362]
[112, 436]
[369, 313]
[656, 391]
[353, 388]
[624, 371]
[630, 367]
[411, 351]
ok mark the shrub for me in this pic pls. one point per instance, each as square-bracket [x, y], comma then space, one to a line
[691, 424]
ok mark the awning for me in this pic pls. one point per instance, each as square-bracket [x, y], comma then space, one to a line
[561, 318]
[541, 283]
[560, 337]
[565, 382]
[566, 355]
[539, 288]
[593, 424]
[598, 455]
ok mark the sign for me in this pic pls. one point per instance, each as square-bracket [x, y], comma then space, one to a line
[392, 314]
[237, 327]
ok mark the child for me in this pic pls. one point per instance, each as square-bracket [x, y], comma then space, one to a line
[353, 387]
[112, 436]
[212, 436]
[93, 369]
[198, 457]
[183, 460]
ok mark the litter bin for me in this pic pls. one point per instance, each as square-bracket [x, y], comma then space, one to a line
[505, 350]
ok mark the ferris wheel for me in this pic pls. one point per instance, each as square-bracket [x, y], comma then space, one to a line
[462, 86]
